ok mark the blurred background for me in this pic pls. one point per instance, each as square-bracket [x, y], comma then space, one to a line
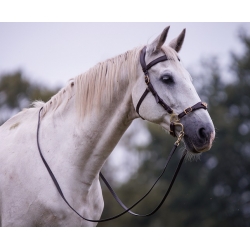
[37, 59]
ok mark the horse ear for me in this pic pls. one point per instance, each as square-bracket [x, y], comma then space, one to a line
[156, 45]
[176, 43]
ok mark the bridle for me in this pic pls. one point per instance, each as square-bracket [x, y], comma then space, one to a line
[174, 121]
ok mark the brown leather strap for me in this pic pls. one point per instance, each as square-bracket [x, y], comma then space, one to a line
[172, 129]
[166, 194]
[142, 59]
[127, 210]
[150, 88]
[199, 105]
[140, 101]
[158, 99]
[146, 67]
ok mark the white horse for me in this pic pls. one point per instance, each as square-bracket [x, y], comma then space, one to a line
[81, 125]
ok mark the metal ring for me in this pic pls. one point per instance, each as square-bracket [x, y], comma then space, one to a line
[147, 79]
[174, 118]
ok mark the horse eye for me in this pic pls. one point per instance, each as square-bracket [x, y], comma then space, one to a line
[167, 79]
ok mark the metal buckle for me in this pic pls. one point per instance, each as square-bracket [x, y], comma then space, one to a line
[147, 79]
[188, 110]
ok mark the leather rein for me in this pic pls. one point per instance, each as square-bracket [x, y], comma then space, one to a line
[174, 121]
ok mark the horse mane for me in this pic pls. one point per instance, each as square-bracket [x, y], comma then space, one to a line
[96, 85]
[99, 84]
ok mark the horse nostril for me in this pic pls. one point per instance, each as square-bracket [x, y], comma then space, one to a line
[202, 134]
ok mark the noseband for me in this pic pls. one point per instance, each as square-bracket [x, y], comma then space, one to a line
[174, 119]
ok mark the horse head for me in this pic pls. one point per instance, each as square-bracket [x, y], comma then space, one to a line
[168, 83]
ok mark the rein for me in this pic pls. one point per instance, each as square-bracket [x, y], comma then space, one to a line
[174, 122]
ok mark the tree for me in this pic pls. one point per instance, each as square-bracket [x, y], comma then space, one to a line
[17, 92]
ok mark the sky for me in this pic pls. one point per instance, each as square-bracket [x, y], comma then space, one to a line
[51, 53]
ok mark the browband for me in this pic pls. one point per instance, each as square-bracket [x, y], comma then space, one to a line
[145, 67]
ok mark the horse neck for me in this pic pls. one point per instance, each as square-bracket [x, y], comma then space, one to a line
[102, 129]
[84, 145]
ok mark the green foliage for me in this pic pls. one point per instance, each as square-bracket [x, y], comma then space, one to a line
[215, 190]
[16, 93]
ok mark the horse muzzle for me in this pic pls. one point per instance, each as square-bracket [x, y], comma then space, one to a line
[199, 139]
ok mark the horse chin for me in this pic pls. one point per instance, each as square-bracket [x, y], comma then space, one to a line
[192, 148]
